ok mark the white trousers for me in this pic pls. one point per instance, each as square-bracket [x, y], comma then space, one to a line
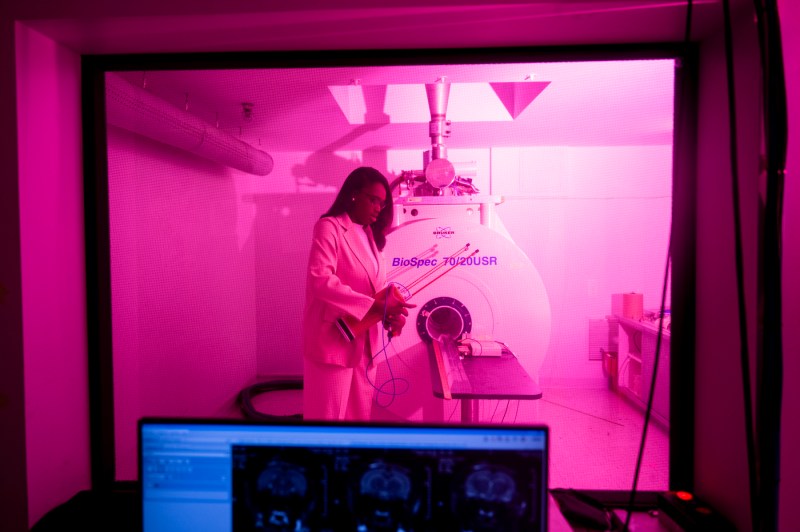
[338, 393]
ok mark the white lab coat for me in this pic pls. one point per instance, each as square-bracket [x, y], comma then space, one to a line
[341, 281]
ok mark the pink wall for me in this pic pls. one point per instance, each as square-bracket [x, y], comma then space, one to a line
[594, 221]
[183, 300]
[591, 211]
[53, 271]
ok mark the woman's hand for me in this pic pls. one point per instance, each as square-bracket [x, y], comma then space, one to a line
[390, 304]
[394, 323]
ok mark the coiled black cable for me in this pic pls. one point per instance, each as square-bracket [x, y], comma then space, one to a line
[246, 396]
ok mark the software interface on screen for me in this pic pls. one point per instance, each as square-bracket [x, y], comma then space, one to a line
[207, 476]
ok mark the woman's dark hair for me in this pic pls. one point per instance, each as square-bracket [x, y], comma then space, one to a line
[359, 179]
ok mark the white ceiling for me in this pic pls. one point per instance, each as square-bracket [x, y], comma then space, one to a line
[294, 110]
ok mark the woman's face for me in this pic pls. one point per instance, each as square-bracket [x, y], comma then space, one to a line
[367, 204]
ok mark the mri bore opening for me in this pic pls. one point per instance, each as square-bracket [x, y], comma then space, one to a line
[444, 322]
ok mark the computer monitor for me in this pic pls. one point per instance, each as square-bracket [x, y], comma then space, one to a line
[235, 475]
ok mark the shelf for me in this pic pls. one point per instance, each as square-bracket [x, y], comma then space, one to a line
[645, 326]
[637, 346]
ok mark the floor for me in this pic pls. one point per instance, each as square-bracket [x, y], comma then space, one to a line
[595, 435]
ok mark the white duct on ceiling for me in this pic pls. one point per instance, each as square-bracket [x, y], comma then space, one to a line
[134, 109]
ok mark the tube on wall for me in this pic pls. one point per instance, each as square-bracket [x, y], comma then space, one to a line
[139, 111]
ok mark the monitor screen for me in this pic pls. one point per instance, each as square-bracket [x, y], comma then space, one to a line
[218, 476]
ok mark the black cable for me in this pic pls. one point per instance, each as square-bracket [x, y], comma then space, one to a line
[744, 359]
[648, 411]
[247, 394]
[651, 395]
[581, 412]
[452, 412]
[687, 33]
[392, 379]
[508, 402]
[496, 406]
[769, 379]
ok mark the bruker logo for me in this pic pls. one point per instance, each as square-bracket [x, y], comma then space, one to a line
[444, 232]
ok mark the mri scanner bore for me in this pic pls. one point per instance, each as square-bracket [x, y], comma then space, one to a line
[475, 303]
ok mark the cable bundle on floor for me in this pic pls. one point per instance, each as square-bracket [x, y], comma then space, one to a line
[247, 394]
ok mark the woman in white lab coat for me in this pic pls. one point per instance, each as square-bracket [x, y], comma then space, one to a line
[345, 279]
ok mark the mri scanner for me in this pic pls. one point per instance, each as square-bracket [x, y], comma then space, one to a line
[475, 289]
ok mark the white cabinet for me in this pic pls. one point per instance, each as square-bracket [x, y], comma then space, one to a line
[637, 359]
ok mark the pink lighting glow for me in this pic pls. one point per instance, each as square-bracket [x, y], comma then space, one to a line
[208, 262]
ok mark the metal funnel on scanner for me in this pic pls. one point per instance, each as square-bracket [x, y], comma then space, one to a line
[439, 172]
[438, 94]
[439, 176]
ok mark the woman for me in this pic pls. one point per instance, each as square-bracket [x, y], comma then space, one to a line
[345, 280]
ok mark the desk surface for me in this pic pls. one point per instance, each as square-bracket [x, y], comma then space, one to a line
[120, 509]
[485, 377]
